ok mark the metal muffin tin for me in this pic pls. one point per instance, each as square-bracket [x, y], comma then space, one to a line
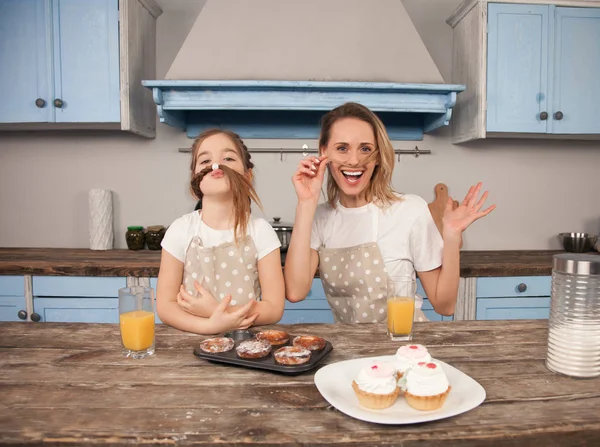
[266, 363]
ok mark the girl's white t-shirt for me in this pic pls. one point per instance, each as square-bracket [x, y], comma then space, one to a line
[183, 229]
[407, 236]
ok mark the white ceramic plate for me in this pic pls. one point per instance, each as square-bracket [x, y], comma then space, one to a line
[334, 382]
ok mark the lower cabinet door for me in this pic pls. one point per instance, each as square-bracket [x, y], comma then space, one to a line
[10, 306]
[525, 308]
[77, 310]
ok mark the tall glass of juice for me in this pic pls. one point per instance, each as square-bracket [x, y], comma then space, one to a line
[136, 321]
[400, 307]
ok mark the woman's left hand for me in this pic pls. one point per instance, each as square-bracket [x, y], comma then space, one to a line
[202, 305]
[458, 220]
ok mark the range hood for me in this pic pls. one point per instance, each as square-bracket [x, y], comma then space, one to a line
[272, 68]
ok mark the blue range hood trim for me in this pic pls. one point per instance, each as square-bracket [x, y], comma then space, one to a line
[292, 109]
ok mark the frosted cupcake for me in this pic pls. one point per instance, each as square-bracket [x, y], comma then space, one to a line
[376, 386]
[427, 386]
[408, 356]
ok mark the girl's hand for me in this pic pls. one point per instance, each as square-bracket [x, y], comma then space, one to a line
[202, 305]
[308, 179]
[458, 220]
[221, 320]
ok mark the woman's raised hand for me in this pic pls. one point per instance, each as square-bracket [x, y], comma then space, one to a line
[308, 179]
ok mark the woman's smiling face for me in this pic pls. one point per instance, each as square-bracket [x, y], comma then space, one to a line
[350, 148]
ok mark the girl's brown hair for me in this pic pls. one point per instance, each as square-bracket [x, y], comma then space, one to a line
[242, 190]
[380, 189]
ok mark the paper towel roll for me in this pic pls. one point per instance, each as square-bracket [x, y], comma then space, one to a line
[101, 219]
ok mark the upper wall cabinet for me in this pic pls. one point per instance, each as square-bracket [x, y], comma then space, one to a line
[77, 64]
[531, 70]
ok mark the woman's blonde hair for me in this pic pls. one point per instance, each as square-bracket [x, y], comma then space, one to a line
[380, 190]
[241, 185]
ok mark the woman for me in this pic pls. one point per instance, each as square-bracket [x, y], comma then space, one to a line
[366, 230]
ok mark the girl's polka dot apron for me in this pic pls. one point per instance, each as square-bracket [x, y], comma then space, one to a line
[226, 269]
[355, 282]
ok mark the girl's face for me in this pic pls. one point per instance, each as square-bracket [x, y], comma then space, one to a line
[217, 149]
[351, 142]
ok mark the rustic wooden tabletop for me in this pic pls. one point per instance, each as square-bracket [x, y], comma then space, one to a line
[67, 384]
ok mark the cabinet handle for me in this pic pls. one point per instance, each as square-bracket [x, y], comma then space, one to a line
[544, 116]
[558, 115]
[522, 287]
[58, 103]
[22, 315]
[40, 103]
[35, 317]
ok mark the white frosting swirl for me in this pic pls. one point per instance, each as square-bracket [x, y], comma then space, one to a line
[377, 378]
[409, 355]
[426, 379]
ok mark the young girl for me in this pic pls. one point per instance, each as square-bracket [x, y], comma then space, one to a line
[220, 267]
[366, 230]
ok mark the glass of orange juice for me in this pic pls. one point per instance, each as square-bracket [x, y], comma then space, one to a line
[136, 321]
[400, 307]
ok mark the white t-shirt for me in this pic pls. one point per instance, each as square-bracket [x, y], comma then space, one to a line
[406, 234]
[182, 230]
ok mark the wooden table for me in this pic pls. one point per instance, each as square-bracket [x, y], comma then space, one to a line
[65, 384]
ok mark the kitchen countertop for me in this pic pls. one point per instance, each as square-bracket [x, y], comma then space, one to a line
[145, 263]
[68, 384]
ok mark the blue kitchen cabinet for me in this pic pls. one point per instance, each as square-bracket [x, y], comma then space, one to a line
[313, 309]
[517, 67]
[25, 61]
[77, 299]
[542, 69]
[513, 308]
[12, 297]
[77, 309]
[78, 64]
[576, 92]
[86, 61]
[60, 61]
[513, 298]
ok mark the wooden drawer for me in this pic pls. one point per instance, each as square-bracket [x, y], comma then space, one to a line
[77, 286]
[509, 286]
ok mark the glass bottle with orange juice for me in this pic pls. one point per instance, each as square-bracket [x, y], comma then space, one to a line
[400, 307]
[136, 321]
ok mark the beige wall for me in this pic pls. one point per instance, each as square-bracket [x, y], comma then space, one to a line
[540, 187]
[315, 40]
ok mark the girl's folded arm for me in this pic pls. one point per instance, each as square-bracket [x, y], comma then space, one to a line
[169, 311]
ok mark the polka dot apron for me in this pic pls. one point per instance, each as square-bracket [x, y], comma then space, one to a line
[225, 269]
[355, 282]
